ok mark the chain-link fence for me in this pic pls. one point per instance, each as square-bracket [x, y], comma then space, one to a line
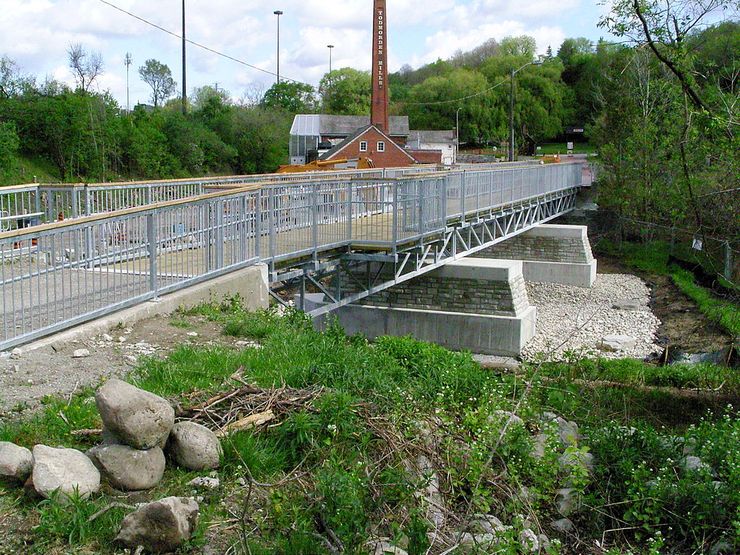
[718, 259]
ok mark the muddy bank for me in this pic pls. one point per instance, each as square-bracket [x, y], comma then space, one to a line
[683, 327]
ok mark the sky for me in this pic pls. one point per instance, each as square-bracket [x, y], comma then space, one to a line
[37, 33]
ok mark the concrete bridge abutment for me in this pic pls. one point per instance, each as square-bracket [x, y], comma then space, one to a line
[550, 253]
[469, 304]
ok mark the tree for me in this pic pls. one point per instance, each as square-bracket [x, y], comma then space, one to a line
[295, 98]
[86, 66]
[159, 77]
[346, 91]
[572, 47]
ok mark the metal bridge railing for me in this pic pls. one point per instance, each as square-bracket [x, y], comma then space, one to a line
[56, 275]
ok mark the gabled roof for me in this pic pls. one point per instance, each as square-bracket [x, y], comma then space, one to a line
[390, 143]
[426, 136]
[314, 125]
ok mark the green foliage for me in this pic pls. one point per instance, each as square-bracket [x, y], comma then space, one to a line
[295, 98]
[345, 91]
[8, 146]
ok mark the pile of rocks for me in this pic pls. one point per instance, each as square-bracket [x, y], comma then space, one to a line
[139, 430]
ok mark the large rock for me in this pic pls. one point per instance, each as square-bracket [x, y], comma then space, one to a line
[16, 463]
[64, 470]
[194, 447]
[566, 501]
[127, 468]
[614, 343]
[138, 418]
[563, 525]
[161, 526]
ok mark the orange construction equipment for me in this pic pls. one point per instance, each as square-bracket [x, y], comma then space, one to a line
[329, 165]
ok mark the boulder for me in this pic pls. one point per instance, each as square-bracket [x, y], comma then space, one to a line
[194, 447]
[383, 546]
[127, 468]
[627, 304]
[161, 526]
[64, 470]
[16, 463]
[563, 525]
[505, 416]
[566, 501]
[614, 343]
[539, 446]
[205, 482]
[81, 353]
[529, 541]
[567, 431]
[138, 418]
[694, 464]
[486, 524]
[569, 460]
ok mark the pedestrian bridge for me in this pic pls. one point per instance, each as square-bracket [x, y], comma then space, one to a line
[104, 248]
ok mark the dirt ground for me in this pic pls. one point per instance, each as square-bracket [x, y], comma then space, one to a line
[683, 327]
[25, 381]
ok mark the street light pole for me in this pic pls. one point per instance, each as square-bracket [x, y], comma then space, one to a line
[330, 47]
[278, 13]
[512, 145]
[457, 133]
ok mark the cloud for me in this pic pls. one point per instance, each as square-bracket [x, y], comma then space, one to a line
[36, 33]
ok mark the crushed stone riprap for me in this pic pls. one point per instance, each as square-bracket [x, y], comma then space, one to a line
[574, 321]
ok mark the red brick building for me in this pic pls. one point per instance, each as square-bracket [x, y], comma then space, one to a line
[372, 143]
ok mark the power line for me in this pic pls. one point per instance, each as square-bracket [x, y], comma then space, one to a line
[199, 45]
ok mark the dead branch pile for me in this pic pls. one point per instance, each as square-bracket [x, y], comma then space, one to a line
[247, 406]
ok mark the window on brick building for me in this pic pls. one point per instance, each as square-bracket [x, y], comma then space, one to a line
[363, 146]
[381, 146]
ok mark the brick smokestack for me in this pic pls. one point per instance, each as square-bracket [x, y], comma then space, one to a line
[379, 108]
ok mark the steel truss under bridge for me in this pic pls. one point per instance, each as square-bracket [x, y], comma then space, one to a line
[370, 273]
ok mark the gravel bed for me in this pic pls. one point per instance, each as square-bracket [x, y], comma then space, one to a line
[572, 321]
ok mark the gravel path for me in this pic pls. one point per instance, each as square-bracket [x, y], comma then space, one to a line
[575, 319]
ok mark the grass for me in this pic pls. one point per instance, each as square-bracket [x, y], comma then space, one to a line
[654, 258]
[356, 445]
[26, 169]
[562, 148]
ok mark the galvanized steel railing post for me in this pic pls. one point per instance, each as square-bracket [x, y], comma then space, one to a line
[271, 221]
[151, 232]
[89, 247]
[463, 192]
[421, 207]
[219, 241]
[349, 210]
[315, 218]
[396, 187]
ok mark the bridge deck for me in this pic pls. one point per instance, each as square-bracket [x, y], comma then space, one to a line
[56, 276]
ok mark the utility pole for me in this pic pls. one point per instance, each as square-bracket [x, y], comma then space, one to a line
[128, 60]
[184, 68]
[278, 13]
[330, 47]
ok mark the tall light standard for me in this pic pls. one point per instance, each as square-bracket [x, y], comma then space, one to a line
[128, 60]
[511, 107]
[184, 70]
[457, 133]
[330, 47]
[278, 13]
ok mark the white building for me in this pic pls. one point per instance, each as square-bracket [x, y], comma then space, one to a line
[435, 140]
